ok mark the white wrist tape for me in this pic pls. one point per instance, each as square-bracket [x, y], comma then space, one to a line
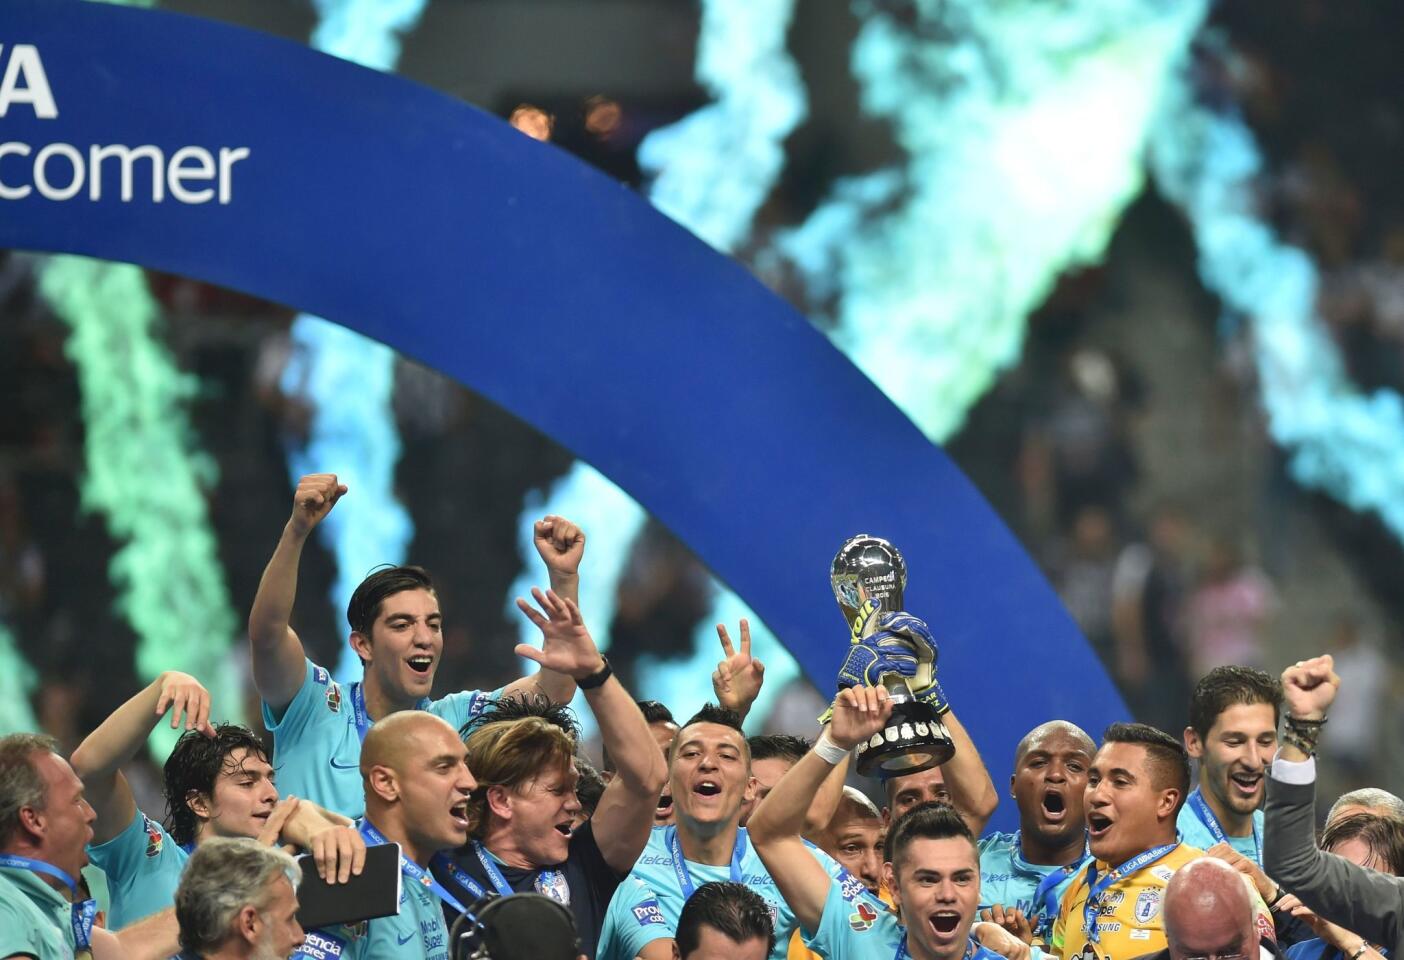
[828, 751]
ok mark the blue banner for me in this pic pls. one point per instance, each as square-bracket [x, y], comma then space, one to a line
[225, 155]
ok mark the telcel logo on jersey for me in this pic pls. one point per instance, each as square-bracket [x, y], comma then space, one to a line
[62, 171]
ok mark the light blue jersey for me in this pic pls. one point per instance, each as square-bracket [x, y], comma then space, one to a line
[648, 903]
[852, 929]
[417, 932]
[34, 917]
[1200, 828]
[317, 744]
[143, 866]
[1009, 880]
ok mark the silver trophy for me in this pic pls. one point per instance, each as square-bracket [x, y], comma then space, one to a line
[870, 568]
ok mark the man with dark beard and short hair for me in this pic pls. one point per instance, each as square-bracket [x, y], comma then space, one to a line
[1023, 875]
[1233, 734]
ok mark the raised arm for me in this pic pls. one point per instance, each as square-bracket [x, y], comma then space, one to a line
[972, 790]
[561, 545]
[624, 815]
[737, 683]
[118, 738]
[1366, 902]
[278, 668]
[775, 826]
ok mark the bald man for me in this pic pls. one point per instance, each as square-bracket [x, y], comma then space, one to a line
[1209, 912]
[1024, 875]
[417, 782]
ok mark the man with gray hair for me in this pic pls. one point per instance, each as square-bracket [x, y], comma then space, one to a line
[1381, 803]
[237, 900]
[1208, 912]
[45, 825]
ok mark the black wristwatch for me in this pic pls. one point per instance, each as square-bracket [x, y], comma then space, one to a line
[598, 678]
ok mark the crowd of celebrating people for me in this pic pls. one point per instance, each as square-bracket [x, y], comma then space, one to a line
[694, 841]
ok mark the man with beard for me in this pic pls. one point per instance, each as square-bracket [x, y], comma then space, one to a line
[238, 901]
[932, 866]
[525, 809]
[711, 781]
[1135, 787]
[417, 785]
[1233, 734]
[1023, 875]
[396, 630]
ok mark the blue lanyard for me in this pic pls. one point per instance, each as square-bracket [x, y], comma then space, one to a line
[1095, 887]
[1046, 893]
[358, 709]
[413, 870]
[1211, 823]
[83, 912]
[680, 865]
[550, 883]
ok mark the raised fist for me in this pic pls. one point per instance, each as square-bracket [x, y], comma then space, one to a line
[1309, 687]
[560, 543]
[859, 712]
[316, 494]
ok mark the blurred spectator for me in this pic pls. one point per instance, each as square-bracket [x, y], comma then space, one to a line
[1351, 739]
[1149, 588]
[1229, 611]
[1083, 577]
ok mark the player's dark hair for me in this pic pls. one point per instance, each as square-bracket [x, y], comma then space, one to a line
[732, 909]
[589, 787]
[777, 746]
[1166, 756]
[653, 712]
[1225, 687]
[517, 706]
[925, 821]
[1383, 835]
[383, 582]
[194, 765]
[711, 713]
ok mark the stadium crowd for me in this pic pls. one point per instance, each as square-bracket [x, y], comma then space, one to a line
[694, 841]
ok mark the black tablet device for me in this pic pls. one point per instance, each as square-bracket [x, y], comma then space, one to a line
[375, 893]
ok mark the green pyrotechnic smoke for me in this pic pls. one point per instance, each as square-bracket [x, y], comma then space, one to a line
[16, 681]
[144, 475]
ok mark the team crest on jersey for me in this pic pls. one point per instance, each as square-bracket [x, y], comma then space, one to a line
[1147, 906]
[864, 918]
[357, 930]
[334, 698]
[155, 840]
[553, 884]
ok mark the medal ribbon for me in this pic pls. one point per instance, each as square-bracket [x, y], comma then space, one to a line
[413, 870]
[1046, 894]
[1211, 823]
[680, 865]
[551, 879]
[358, 709]
[83, 913]
[1096, 888]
